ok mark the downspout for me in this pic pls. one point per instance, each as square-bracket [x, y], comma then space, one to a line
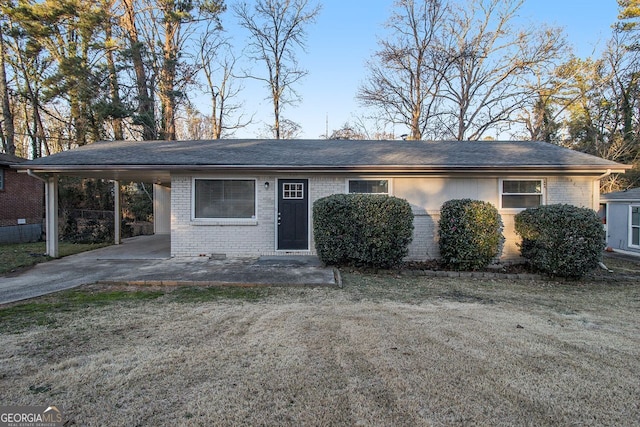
[604, 175]
[596, 203]
[36, 176]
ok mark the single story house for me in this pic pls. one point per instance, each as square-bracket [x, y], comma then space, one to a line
[254, 197]
[622, 219]
[21, 203]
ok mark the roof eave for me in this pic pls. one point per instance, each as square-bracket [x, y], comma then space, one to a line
[595, 169]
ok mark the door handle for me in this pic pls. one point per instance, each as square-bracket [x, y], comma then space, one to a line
[279, 219]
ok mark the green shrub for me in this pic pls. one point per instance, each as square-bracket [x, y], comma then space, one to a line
[561, 240]
[470, 234]
[362, 229]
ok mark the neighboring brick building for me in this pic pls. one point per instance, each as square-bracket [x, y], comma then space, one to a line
[21, 203]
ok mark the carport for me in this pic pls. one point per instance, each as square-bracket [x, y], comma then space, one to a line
[161, 196]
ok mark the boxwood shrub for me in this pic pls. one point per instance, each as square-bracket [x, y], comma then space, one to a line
[561, 240]
[470, 233]
[362, 229]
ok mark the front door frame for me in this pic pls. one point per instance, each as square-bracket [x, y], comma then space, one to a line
[277, 209]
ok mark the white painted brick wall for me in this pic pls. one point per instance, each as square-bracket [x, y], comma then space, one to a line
[189, 239]
[576, 191]
[193, 239]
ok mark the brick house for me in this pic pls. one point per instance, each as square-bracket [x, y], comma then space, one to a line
[255, 197]
[21, 203]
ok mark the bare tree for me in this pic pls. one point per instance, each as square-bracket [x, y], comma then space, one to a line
[492, 64]
[161, 35]
[218, 62]
[145, 117]
[406, 73]
[455, 72]
[277, 28]
[347, 131]
[174, 22]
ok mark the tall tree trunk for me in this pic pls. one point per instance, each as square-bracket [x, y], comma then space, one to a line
[114, 86]
[7, 130]
[168, 74]
[146, 108]
[37, 133]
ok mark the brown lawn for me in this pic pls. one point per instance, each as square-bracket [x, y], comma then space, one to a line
[385, 350]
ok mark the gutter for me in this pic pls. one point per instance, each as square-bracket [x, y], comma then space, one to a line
[411, 169]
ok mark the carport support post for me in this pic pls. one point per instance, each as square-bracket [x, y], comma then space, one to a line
[117, 215]
[52, 216]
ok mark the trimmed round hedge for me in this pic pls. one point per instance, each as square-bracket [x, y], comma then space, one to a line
[470, 233]
[369, 230]
[561, 240]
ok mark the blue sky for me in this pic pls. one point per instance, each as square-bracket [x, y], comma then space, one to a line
[345, 36]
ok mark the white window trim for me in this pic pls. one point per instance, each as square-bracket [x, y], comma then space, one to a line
[223, 221]
[543, 193]
[370, 178]
[631, 226]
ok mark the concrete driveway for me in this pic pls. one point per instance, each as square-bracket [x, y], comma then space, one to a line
[146, 260]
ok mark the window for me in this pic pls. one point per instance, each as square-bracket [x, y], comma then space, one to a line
[294, 190]
[634, 229]
[521, 194]
[369, 186]
[1, 179]
[224, 198]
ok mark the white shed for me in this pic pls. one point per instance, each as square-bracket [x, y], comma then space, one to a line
[622, 218]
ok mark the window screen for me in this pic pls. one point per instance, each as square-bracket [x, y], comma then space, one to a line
[521, 194]
[225, 198]
[369, 186]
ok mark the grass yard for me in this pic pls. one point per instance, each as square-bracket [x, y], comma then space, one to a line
[20, 255]
[387, 349]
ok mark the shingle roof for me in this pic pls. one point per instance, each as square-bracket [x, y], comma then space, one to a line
[8, 159]
[632, 194]
[320, 155]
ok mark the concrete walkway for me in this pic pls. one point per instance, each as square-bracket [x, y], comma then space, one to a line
[145, 260]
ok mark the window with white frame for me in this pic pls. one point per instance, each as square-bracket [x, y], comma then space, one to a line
[224, 199]
[293, 190]
[634, 226]
[521, 193]
[369, 186]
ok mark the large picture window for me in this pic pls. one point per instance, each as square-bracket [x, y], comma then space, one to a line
[369, 186]
[634, 227]
[224, 199]
[521, 194]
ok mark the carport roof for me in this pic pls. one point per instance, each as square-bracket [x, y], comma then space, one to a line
[162, 157]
